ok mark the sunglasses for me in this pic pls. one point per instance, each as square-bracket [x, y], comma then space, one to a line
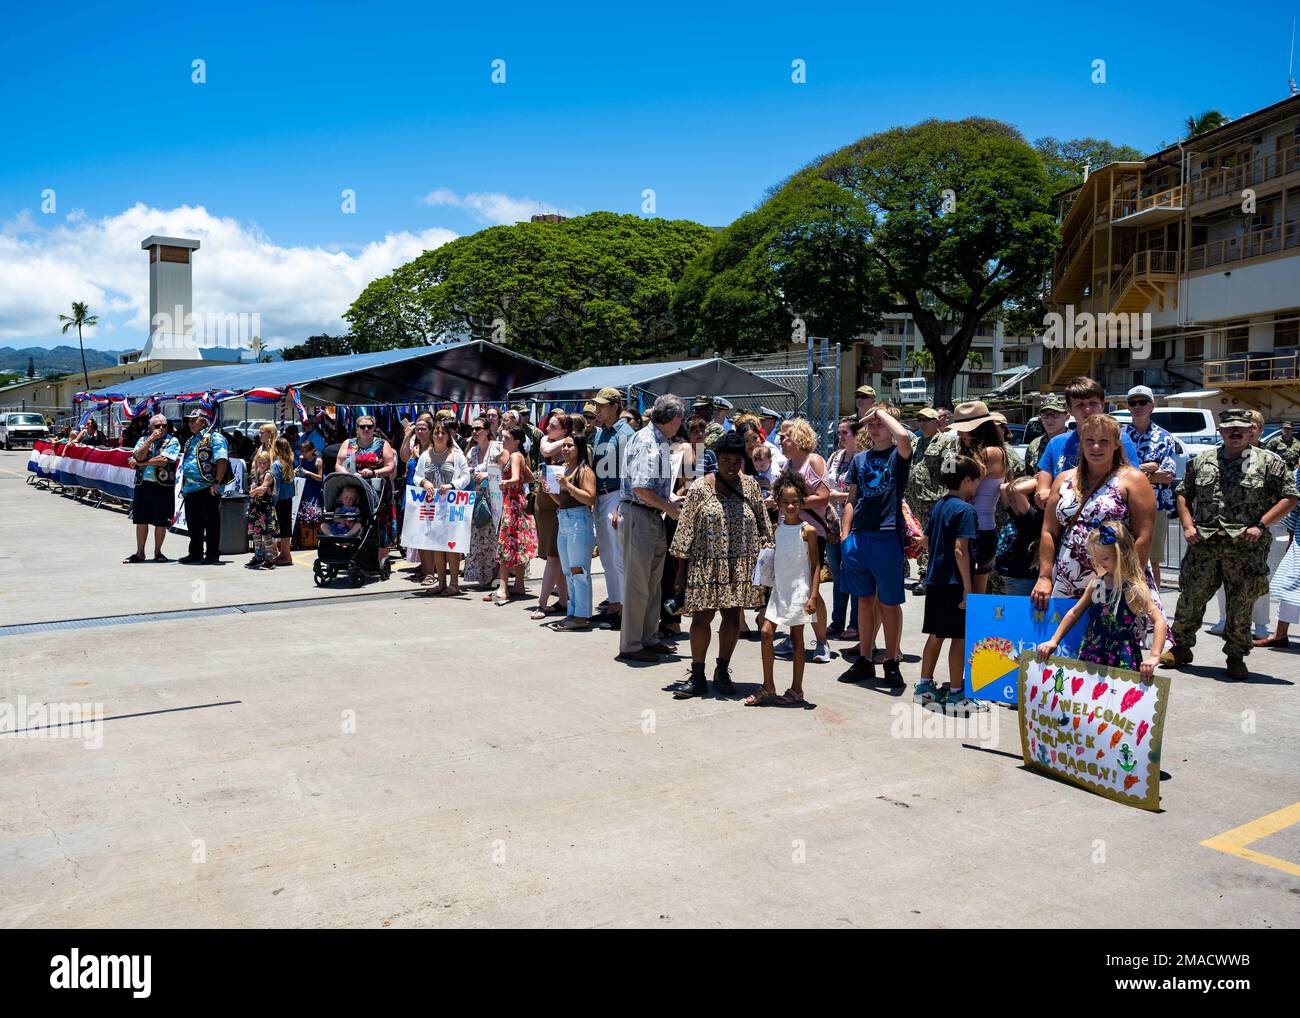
[590, 417]
[476, 427]
[365, 427]
[1139, 402]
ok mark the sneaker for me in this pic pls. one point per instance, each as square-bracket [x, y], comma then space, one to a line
[822, 654]
[956, 705]
[783, 649]
[926, 693]
[893, 676]
[1217, 629]
[850, 634]
[861, 670]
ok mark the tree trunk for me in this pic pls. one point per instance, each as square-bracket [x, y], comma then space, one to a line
[85, 375]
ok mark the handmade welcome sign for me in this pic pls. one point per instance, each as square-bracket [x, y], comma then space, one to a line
[998, 629]
[1096, 727]
[438, 521]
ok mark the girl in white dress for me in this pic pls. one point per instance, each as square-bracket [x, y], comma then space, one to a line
[797, 571]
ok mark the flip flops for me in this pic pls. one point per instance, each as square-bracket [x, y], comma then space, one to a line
[133, 558]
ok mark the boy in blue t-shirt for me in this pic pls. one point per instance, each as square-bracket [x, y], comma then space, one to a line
[872, 534]
[950, 529]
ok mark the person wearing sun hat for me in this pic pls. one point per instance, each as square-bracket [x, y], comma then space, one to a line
[1227, 500]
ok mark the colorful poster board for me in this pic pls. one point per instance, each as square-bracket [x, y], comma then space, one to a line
[1096, 727]
[999, 629]
[438, 521]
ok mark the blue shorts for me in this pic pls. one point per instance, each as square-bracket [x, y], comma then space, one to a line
[872, 565]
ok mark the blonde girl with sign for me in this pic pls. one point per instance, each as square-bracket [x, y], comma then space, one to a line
[261, 512]
[795, 598]
[1120, 607]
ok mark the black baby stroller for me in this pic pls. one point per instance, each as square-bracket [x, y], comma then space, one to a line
[357, 553]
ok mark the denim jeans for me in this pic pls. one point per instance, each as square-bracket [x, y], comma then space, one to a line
[576, 539]
[841, 602]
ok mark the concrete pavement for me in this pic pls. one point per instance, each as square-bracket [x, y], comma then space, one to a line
[377, 760]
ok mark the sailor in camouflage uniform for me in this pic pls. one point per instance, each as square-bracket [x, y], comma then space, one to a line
[1227, 501]
[920, 488]
[1286, 444]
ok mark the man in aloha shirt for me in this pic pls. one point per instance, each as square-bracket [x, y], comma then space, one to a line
[1155, 458]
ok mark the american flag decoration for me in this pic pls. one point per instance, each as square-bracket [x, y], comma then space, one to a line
[297, 405]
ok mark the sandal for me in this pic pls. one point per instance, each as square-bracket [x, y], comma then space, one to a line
[498, 600]
[570, 625]
[790, 699]
[759, 698]
[133, 558]
[160, 557]
[1272, 641]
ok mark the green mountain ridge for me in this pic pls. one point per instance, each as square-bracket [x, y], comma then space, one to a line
[66, 359]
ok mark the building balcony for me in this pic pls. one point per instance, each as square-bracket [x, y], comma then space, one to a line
[1255, 244]
[1255, 370]
[1228, 181]
[1147, 210]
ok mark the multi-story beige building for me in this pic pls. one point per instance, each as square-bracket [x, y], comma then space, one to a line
[1204, 237]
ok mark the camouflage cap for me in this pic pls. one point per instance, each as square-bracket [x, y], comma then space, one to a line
[520, 408]
[588, 408]
[445, 415]
[608, 395]
[1235, 417]
[1054, 402]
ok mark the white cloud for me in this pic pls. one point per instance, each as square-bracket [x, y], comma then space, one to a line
[493, 206]
[298, 291]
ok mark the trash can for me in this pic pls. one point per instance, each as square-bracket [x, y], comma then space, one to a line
[234, 524]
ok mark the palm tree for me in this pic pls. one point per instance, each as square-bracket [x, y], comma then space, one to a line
[1208, 121]
[975, 360]
[81, 316]
[921, 360]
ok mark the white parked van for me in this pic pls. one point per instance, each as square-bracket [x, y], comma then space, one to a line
[911, 390]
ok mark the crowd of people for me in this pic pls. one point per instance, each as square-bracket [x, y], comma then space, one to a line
[704, 513]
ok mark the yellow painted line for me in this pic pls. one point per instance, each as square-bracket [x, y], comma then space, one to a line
[1235, 841]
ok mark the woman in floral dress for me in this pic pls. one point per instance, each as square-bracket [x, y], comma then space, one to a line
[1102, 489]
[517, 538]
[722, 526]
[481, 560]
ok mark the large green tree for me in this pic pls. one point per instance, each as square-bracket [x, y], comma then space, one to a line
[319, 346]
[1204, 122]
[1065, 160]
[945, 220]
[802, 257]
[588, 290]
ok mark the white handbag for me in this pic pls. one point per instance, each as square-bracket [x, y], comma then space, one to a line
[765, 568]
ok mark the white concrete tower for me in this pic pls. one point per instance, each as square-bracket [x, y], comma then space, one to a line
[171, 295]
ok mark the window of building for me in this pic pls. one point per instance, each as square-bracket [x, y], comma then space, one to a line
[1286, 332]
[1236, 339]
[1193, 348]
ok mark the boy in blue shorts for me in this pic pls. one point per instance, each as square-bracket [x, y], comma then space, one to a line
[871, 552]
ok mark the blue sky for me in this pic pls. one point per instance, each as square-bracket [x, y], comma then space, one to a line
[395, 100]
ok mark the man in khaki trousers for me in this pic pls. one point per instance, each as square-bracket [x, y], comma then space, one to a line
[647, 497]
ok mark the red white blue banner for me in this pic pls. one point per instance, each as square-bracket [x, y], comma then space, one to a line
[83, 466]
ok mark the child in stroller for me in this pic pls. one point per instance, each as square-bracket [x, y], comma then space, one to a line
[349, 538]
